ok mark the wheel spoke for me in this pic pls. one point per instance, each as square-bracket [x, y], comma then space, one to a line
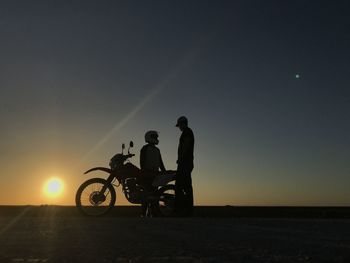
[91, 201]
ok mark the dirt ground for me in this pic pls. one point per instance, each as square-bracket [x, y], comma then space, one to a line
[52, 237]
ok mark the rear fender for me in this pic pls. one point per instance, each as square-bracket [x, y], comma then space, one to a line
[164, 179]
[103, 169]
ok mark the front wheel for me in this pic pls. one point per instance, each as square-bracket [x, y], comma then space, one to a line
[166, 201]
[91, 201]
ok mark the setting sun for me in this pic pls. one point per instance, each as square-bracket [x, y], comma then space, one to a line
[53, 187]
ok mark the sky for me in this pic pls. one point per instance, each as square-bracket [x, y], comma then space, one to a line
[264, 84]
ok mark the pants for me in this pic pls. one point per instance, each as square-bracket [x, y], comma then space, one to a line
[184, 191]
[146, 180]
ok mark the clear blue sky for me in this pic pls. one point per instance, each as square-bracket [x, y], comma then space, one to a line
[265, 85]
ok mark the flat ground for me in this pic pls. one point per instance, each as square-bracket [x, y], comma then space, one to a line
[50, 234]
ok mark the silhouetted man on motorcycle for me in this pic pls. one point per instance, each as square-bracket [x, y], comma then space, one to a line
[151, 163]
[183, 184]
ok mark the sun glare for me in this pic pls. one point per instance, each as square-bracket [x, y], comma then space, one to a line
[53, 187]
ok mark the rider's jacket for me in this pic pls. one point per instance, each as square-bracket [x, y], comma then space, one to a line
[151, 159]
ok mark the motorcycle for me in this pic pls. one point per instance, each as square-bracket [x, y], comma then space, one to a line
[97, 196]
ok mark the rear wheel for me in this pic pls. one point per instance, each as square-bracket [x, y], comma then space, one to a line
[91, 201]
[166, 201]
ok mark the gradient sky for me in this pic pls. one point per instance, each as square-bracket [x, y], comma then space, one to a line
[264, 84]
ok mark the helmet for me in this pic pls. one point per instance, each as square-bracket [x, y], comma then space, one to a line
[181, 120]
[151, 137]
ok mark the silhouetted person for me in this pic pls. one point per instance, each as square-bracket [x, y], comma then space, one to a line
[151, 163]
[183, 184]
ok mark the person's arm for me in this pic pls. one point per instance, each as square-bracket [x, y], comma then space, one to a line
[162, 167]
[161, 164]
[142, 158]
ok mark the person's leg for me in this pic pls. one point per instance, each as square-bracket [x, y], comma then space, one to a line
[143, 209]
[146, 182]
[188, 194]
[179, 193]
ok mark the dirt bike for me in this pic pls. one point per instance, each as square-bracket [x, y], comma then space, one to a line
[97, 196]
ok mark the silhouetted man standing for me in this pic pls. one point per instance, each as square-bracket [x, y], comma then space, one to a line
[183, 184]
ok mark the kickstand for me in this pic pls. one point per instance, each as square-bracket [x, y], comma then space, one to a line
[149, 210]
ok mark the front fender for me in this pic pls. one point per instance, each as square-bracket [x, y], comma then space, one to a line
[103, 169]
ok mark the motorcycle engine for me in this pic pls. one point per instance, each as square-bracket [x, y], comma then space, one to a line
[133, 191]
